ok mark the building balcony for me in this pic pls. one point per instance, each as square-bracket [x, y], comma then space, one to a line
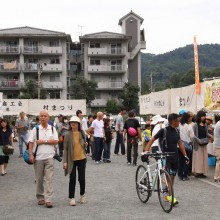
[106, 69]
[112, 85]
[10, 84]
[9, 50]
[33, 67]
[52, 85]
[99, 103]
[106, 51]
[9, 67]
[42, 50]
[52, 67]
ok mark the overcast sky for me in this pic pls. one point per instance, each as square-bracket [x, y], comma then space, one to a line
[168, 24]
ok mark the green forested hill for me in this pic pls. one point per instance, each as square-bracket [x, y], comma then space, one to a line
[176, 68]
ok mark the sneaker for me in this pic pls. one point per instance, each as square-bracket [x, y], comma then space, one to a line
[169, 199]
[128, 163]
[97, 162]
[21, 155]
[217, 181]
[41, 202]
[82, 199]
[72, 202]
[186, 178]
[108, 161]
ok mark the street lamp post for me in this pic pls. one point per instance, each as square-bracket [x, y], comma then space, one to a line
[40, 68]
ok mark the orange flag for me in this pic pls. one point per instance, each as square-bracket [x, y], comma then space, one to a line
[196, 59]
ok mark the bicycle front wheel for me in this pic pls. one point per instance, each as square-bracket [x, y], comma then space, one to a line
[142, 182]
[165, 191]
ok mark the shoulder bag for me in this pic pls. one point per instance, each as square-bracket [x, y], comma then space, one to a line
[7, 149]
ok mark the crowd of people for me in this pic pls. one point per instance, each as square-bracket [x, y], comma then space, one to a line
[77, 137]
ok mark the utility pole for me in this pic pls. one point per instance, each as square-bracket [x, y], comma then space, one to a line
[40, 68]
[151, 82]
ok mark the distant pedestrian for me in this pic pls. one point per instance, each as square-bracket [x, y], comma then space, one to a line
[75, 158]
[200, 154]
[97, 128]
[187, 136]
[107, 141]
[132, 129]
[22, 130]
[146, 135]
[6, 138]
[43, 162]
[216, 145]
[90, 139]
[119, 132]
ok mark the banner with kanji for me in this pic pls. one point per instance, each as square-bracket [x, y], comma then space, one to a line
[35, 106]
[212, 95]
[183, 98]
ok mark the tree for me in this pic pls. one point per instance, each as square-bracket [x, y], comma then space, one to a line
[84, 89]
[112, 106]
[129, 96]
[29, 91]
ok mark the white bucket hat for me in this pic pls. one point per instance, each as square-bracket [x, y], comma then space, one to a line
[156, 119]
[74, 119]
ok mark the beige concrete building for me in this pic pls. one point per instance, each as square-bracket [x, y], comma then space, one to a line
[112, 59]
[28, 53]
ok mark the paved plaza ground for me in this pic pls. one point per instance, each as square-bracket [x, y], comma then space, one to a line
[110, 191]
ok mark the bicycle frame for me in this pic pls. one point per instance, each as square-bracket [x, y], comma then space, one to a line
[152, 178]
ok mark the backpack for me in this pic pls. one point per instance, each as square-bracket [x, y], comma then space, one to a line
[26, 152]
[146, 138]
[163, 140]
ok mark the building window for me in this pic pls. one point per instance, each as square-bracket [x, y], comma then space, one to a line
[94, 45]
[94, 62]
[116, 65]
[54, 43]
[97, 96]
[54, 95]
[54, 78]
[54, 61]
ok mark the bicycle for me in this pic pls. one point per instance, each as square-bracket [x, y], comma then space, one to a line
[160, 181]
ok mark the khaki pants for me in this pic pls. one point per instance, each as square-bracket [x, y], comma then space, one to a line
[44, 172]
[217, 168]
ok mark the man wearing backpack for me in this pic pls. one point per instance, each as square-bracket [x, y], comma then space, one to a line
[133, 130]
[169, 138]
[43, 162]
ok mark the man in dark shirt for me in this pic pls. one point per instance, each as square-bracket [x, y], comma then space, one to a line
[132, 138]
[172, 139]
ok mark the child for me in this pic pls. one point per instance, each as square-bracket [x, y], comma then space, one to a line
[146, 135]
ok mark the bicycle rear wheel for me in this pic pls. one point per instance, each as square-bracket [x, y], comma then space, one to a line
[165, 191]
[142, 179]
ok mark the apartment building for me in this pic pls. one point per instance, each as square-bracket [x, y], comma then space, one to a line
[28, 53]
[112, 59]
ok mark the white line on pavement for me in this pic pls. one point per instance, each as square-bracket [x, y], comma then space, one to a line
[210, 183]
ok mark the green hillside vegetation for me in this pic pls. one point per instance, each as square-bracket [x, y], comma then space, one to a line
[176, 68]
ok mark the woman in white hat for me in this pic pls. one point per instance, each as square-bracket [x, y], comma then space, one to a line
[75, 157]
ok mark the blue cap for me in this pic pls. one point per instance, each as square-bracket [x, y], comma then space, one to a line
[182, 111]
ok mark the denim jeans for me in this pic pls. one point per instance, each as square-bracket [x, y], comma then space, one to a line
[98, 148]
[107, 150]
[119, 141]
[132, 142]
[22, 138]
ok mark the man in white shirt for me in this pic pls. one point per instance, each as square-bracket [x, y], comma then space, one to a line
[83, 120]
[43, 160]
[98, 128]
[119, 128]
